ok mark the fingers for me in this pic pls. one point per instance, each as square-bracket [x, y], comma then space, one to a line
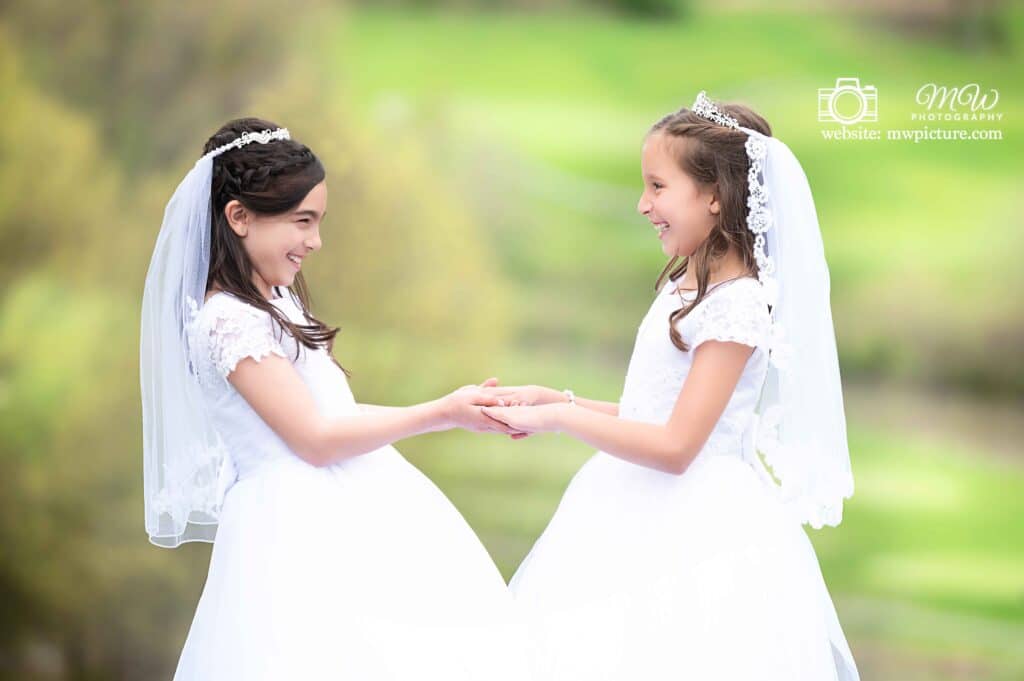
[508, 397]
[494, 414]
[502, 391]
[489, 383]
[485, 400]
[498, 427]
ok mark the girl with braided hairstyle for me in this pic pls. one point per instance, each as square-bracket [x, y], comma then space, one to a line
[674, 554]
[333, 557]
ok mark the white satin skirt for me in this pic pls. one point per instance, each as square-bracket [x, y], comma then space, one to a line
[359, 571]
[645, 575]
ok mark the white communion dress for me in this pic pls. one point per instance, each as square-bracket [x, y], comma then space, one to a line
[701, 576]
[358, 570]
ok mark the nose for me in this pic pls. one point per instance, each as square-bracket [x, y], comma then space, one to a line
[313, 242]
[643, 206]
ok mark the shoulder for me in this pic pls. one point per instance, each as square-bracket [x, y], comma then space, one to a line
[224, 306]
[223, 313]
[745, 290]
[227, 329]
[736, 311]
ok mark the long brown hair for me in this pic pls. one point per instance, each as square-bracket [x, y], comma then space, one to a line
[268, 179]
[715, 157]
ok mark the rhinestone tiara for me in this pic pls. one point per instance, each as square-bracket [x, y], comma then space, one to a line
[705, 108]
[263, 137]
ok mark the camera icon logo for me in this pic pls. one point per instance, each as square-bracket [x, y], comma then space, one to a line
[848, 102]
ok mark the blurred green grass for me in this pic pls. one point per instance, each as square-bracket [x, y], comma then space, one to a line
[929, 560]
[566, 100]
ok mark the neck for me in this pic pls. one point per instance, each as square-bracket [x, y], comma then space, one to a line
[729, 266]
[265, 289]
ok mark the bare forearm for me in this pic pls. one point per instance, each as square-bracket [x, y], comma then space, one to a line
[376, 408]
[598, 405]
[348, 436]
[645, 444]
[553, 396]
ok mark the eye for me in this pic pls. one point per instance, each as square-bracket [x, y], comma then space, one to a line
[657, 185]
[306, 220]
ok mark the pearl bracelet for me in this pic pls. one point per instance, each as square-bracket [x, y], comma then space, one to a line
[571, 395]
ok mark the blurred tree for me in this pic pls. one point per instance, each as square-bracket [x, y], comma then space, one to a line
[55, 183]
[655, 9]
[974, 25]
[404, 271]
[151, 74]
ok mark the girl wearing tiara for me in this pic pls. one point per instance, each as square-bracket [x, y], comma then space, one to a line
[674, 553]
[334, 557]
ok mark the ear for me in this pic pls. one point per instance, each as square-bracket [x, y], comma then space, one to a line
[715, 207]
[238, 217]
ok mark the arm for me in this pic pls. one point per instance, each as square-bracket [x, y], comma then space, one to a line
[611, 408]
[530, 395]
[375, 408]
[379, 408]
[717, 367]
[275, 391]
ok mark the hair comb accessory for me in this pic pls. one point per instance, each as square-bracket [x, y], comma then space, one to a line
[705, 108]
[263, 137]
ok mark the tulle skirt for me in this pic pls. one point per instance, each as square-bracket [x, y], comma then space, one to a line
[362, 570]
[700, 576]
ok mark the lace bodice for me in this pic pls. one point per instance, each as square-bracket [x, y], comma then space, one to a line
[734, 310]
[225, 331]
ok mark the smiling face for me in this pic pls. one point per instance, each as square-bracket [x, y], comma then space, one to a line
[277, 244]
[682, 213]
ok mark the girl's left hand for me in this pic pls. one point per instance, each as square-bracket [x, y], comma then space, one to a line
[526, 420]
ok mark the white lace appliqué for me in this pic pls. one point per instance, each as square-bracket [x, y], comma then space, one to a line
[196, 482]
[725, 316]
[226, 335]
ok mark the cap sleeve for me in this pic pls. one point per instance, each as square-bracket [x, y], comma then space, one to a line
[232, 330]
[737, 314]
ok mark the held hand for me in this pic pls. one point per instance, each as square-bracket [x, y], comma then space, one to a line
[463, 409]
[526, 420]
[527, 395]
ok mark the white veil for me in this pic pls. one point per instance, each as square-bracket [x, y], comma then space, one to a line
[801, 425]
[186, 469]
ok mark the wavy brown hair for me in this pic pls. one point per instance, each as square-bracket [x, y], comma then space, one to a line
[268, 179]
[715, 157]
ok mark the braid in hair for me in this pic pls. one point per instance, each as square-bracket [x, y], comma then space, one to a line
[267, 179]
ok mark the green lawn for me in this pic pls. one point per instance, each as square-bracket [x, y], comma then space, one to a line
[540, 120]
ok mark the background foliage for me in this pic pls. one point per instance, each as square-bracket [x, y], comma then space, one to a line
[483, 171]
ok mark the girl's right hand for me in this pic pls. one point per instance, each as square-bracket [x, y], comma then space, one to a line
[527, 395]
[461, 409]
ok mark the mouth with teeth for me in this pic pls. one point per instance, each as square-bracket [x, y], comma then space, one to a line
[295, 260]
[661, 228]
